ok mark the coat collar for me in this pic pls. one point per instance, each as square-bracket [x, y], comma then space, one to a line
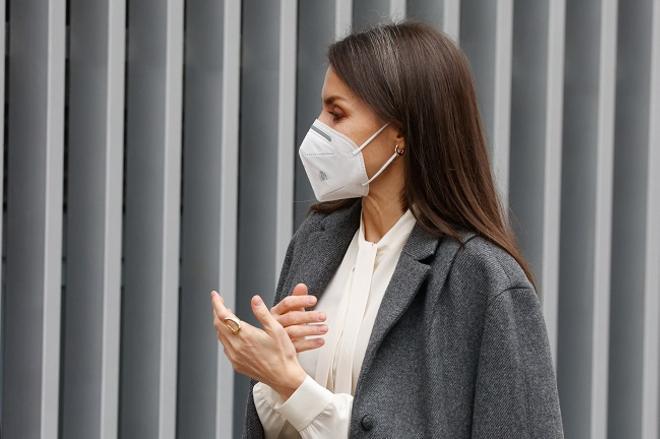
[343, 223]
[324, 250]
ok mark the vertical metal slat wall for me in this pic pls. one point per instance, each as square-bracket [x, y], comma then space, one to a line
[91, 302]
[150, 155]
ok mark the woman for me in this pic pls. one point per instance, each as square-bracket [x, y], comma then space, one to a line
[434, 326]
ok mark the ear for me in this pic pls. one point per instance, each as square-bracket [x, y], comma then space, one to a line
[399, 137]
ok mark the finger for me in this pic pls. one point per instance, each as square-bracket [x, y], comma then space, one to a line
[264, 316]
[219, 328]
[219, 307]
[298, 294]
[301, 290]
[293, 303]
[308, 344]
[300, 317]
[221, 312]
[218, 304]
[297, 331]
[216, 319]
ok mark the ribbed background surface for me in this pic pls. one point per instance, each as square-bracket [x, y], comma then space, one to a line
[150, 155]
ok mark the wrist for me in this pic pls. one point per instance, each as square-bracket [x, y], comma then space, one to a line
[291, 382]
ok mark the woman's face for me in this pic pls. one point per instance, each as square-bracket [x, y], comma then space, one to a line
[348, 114]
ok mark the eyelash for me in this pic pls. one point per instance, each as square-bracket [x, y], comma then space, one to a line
[335, 117]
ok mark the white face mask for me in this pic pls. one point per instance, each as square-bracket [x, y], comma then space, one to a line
[334, 163]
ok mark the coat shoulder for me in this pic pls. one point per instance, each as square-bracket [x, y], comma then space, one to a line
[483, 267]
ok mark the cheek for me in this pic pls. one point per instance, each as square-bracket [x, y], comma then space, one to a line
[375, 155]
[369, 159]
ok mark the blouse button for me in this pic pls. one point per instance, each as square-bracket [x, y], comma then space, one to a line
[367, 422]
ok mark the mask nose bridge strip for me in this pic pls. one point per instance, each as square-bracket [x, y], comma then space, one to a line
[321, 132]
[366, 142]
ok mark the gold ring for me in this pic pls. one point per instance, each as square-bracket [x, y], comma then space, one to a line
[233, 323]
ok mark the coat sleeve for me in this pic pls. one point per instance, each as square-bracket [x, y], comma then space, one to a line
[516, 389]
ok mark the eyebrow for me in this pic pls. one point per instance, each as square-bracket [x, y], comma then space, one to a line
[330, 99]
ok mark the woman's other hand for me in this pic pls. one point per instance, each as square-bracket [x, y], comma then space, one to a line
[291, 314]
[267, 354]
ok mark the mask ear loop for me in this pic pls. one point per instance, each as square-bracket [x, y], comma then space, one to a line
[397, 151]
[366, 142]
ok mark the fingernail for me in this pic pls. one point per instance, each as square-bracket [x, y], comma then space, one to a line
[257, 300]
[322, 316]
[311, 300]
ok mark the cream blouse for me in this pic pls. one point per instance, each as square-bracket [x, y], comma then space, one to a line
[321, 406]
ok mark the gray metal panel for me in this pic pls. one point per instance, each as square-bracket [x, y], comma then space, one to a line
[651, 349]
[229, 199]
[477, 39]
[552, 171]
[451, 18]
[286, 132]
[370, 12]
[444, 14]
[2, 187]
[229, 195]
[585, 216]
[397, 9]
[34, 220]
[528, 119]
[486, 37]
[258, 170]
[208, 243]
[429, 11]
[151, 227]
[629, 218]
[343, 18]
[534, 178]
[93, 220]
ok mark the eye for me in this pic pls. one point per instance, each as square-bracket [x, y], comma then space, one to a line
[335, 116]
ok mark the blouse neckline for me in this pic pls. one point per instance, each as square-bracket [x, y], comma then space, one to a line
[395, 236]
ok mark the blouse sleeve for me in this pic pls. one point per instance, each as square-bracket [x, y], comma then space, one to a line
[314, 411]
[264, 397]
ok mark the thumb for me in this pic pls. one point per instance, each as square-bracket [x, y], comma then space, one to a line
[261, 312]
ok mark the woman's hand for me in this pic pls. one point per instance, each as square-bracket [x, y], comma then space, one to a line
[290, 313]
[266, 355]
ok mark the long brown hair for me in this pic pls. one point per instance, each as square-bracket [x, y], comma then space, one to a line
[415, 76]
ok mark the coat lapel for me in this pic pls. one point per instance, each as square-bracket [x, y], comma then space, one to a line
[404, 284]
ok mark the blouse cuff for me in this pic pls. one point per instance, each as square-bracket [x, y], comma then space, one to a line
[304, 404]
[263, 391]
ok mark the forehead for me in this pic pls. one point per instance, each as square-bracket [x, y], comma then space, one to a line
[334, 89]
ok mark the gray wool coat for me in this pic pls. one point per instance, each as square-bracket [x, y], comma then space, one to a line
[459, 348]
